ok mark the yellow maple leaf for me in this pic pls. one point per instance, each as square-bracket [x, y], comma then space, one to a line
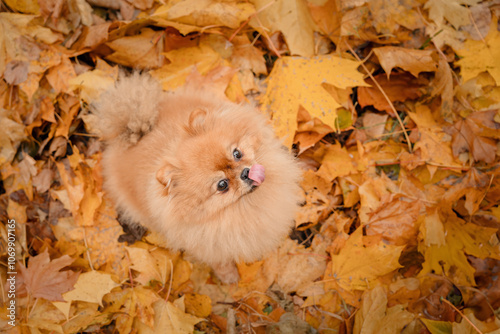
[90, 287]
[356, 267]
[298, 81]
[461, 239]
[478, 56]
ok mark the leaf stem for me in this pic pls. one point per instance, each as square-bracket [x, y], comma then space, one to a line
[459, 312]
[384, 94]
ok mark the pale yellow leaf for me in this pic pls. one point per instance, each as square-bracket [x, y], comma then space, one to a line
[292, 18]
[90, 287]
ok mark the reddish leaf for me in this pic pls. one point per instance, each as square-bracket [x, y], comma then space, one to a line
[43, 278]
[400, 87]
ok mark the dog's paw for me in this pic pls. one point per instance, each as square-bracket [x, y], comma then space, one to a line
[227, 273]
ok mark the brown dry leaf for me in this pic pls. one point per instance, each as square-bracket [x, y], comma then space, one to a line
[443, 86]
[92, 36]
[328, 17]
[388, 15]
[395, 222]
[43, 278]
[10, 138]
[413, 61]
[374, 124]
[400, 87]
[139, 51]
[17, 212]
[309, 130]
[246, 56]
[60, 75]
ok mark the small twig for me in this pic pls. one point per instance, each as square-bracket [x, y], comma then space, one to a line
[171, 278]
[130, 271]
[87, 249]
[459, 312]
[476, 27]
[384, 94]
[248, 20]
[485, 193]
[271, 44]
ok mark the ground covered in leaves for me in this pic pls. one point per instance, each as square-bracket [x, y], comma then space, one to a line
[392, 106]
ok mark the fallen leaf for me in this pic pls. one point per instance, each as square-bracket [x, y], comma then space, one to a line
[336, 162]
[170, 319]
[395, 222]
[207, 12]
[198, 305]
[298, 81]
[400, 87]
[413, 61]
[480, 56]
[368, 264]
[140, 51]
[43, 278]
[90, 287]
[452, 11]
[292, 18]
[183, 62]
[375, 317]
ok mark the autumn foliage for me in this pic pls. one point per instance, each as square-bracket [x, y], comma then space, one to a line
[392, 107]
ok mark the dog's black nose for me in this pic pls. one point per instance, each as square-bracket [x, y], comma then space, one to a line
[244, 174]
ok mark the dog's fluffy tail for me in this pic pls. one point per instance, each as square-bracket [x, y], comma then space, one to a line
[127, 111]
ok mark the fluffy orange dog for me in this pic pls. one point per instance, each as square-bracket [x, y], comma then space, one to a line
[207, 174]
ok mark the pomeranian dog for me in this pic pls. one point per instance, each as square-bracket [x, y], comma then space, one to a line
[207, 174]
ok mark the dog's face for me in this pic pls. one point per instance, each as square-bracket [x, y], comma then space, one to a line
[217, 164]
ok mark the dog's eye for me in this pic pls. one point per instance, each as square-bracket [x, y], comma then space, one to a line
[237, 154]
[223, 185]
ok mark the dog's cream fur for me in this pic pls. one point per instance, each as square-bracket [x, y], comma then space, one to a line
[165, 153]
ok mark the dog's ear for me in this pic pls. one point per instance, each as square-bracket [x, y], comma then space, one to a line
[196, 121]
[165, 176]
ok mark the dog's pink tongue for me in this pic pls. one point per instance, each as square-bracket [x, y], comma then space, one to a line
[257, 174]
